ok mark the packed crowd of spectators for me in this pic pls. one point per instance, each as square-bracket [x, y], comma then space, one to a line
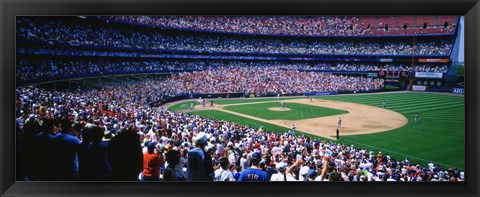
[282, 25]
[47, 69]
[264, 80]
[111, 133]
[347, 67]
[90, 32]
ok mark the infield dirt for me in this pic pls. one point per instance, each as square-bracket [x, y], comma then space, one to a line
[278, 109]
[361, 119]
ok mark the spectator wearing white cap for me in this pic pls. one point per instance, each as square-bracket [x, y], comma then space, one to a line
[196, 163]
[435, 178]
[303, 172]
[390, 177]
[280, 175]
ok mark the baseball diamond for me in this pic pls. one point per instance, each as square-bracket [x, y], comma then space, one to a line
[366, 123]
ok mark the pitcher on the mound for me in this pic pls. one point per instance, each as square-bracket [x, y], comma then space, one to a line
[339, 122]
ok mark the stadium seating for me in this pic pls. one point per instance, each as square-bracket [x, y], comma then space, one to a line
[288, 25]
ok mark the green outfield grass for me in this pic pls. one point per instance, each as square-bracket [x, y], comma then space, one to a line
[297, 111]
[183, 106]
[438, 136]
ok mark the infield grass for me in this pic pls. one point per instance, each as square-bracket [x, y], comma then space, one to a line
[297, 111]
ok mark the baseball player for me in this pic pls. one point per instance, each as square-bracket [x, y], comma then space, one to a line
[211, 103]
[416, 118]
[339, 122]
[281, 104]
[191, 106]
[384, 104]
[338, 134]
[310, 98]
[293, 129]
[278, 95]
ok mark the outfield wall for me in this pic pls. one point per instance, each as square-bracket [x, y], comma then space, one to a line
[243, 95]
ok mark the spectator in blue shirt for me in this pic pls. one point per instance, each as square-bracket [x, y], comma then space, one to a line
[254, 173]
[65, 151]
[94, 163]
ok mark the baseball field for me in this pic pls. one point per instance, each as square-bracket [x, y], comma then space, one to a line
[437, 136]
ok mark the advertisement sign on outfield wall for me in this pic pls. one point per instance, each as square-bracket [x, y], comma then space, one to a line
[458, 91]
[325, 93]
[385, 59]
[437, 60]
[372, 75]
[419, 88]
[428, 75]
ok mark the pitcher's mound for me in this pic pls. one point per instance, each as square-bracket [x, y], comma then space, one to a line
[279, 109]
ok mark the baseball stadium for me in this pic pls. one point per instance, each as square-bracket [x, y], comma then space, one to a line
[240, 98]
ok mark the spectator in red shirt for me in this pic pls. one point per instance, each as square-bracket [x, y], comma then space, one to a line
[379, 157]
[151, 164]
